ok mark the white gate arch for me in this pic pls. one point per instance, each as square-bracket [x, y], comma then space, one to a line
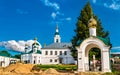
[83, 51]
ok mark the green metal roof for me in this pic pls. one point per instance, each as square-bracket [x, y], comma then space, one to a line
[106, 41]
[6, 55]
[56, 33]
[38, 52]
[35, 43]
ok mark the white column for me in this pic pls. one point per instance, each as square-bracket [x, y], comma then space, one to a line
[81, 62]
[86, 64]
[105, 61]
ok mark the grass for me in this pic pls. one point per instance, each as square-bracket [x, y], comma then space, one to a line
[59, 67]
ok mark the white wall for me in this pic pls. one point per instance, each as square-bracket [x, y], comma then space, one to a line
[6, 61]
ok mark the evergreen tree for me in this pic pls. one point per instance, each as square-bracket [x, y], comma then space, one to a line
[5, 52]
[82, 29]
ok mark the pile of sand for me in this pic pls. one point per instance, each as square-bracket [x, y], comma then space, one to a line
[1, 69]
[19, 68]
[50, 71]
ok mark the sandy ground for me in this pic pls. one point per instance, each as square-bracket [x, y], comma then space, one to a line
[27, 69]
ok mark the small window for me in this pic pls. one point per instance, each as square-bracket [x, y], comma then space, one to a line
[55, 60]
[39, 61]
[55, 52]
[28, 61]
[65, 53]
[46, 52]
[34, 57]
[56, 40]
[60, 52]
[50, 60]
[51, 52]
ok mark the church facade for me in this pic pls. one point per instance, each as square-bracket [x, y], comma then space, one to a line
[55, 53]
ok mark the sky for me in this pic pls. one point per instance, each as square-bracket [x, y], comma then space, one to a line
[22, 20]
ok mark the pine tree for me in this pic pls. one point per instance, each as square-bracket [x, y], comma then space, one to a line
[82, 31]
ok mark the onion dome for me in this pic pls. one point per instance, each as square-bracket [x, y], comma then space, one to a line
[35, 42]
[92, 23]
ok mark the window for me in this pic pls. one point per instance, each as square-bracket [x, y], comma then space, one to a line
[55, 52]
[60, 52]
[34, 57]
[55, 60]
[51, 52]
[56, 40]
[28, 61]
[46, 52]
[50, 60]
[39, 61]
[65, 53]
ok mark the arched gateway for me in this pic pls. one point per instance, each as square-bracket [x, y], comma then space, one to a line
[93, 42]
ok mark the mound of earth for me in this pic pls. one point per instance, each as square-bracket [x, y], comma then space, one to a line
[19, 68]
[50, 71]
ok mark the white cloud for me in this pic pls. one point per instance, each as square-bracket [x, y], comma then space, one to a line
[50, 4]
[116, 48]
[112, 6]
[94, 1]
[17, 45]
[53, 15]
[68, 18]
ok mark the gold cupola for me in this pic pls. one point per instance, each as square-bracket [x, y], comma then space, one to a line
[92, 23]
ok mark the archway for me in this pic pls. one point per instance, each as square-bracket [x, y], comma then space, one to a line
[94, 58]
[83, 51]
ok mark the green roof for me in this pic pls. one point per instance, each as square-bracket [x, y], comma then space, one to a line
[38, 52]
[6, 55]
[106, 41]
[35, 43]
[56, 33]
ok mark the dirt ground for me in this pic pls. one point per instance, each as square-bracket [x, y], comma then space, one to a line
[27, 69]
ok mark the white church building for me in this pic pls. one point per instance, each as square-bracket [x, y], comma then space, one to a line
[55, 53]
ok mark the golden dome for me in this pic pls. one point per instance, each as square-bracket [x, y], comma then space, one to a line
[92, 23]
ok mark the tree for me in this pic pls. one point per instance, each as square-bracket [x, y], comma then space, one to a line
[18, 56]
[5, 52]
[82, 31]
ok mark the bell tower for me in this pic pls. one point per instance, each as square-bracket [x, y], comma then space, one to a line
[26, 48]
[57, 38]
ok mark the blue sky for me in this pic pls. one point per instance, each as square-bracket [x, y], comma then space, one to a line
[26, 19]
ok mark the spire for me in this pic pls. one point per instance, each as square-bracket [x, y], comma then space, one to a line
[57, 31]
[57, 28]
[57, 36]
[35, 39]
